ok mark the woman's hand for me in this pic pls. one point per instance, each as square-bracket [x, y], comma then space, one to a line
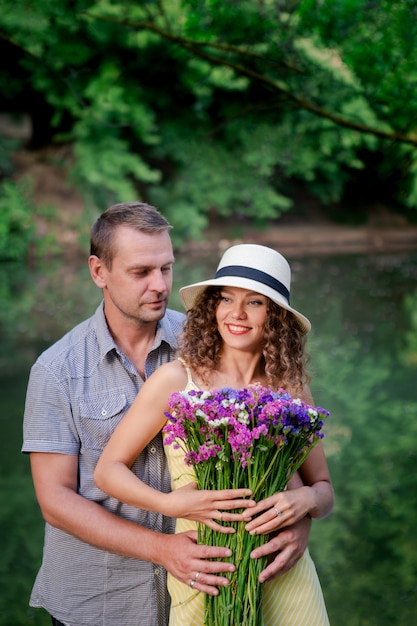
[280, 510]
[310, 493]
[206, 506]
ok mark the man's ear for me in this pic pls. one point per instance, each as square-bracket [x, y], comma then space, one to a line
[97, 271]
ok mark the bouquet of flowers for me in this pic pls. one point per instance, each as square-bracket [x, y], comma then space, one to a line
[254, 438]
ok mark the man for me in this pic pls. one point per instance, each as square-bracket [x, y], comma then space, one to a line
[105, 562]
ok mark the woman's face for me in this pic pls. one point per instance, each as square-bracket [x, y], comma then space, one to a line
[240, 317]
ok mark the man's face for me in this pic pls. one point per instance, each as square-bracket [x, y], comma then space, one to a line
[139, 282]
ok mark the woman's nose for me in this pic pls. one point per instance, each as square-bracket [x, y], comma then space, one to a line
[238, 311]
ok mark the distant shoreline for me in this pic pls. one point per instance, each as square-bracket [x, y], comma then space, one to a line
[300, 240]
[293, 233]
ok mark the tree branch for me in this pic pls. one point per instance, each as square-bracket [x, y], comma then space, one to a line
[196, 48]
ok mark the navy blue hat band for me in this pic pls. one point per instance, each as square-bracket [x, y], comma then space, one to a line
[257, 275]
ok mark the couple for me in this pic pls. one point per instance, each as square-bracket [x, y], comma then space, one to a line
[102, 558]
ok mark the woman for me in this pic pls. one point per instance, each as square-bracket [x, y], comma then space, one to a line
[240, 330]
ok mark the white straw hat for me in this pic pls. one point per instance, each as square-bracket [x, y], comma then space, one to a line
[252, 267]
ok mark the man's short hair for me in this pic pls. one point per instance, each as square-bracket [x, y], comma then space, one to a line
[138, 215]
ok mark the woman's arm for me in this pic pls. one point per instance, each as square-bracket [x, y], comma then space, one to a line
[142, 422]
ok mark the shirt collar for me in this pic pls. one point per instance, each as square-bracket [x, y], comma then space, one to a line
[104, 337]
[164, 332]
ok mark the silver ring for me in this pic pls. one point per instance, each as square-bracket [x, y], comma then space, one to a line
[192, 583]
[197, 575]
[278, 512]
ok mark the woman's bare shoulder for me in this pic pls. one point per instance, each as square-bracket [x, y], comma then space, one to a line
[172, 374]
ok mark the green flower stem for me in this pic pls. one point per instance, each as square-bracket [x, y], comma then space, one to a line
[240, 602]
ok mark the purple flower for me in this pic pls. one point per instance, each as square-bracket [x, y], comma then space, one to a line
[237, 425]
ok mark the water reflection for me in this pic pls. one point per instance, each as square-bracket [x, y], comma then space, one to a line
[364, 361]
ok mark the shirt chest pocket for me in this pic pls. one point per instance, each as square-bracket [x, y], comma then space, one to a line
[99, 416]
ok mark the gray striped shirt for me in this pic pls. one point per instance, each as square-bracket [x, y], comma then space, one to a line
[79, 390]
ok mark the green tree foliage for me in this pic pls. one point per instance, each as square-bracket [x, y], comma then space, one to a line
[373, 472]
[16, 223]
[410, 337]
[363, 345]
[220, 108]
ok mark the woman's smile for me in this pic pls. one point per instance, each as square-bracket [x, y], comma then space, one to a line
[237, 330]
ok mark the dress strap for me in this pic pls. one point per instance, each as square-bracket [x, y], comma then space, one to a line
[190, 383]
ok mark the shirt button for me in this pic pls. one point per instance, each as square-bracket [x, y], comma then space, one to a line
[153, 449]
[156, 572]
[103, 412]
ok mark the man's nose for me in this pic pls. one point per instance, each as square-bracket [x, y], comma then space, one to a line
[157, 282]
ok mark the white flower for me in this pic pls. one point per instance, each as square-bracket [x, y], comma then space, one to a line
[243, 417]
[219, 422]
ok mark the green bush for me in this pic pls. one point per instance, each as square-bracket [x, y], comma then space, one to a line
[17, 227]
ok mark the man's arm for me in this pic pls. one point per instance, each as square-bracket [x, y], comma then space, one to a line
[55, 480]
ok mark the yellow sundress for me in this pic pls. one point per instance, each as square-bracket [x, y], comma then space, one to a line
[293, 599]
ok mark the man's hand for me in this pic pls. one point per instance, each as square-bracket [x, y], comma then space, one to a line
[189, 562]
[285, 548]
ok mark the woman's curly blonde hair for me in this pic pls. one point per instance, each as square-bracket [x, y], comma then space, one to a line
[284, 355]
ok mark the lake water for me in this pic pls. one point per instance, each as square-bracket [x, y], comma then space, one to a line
[363, 348]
